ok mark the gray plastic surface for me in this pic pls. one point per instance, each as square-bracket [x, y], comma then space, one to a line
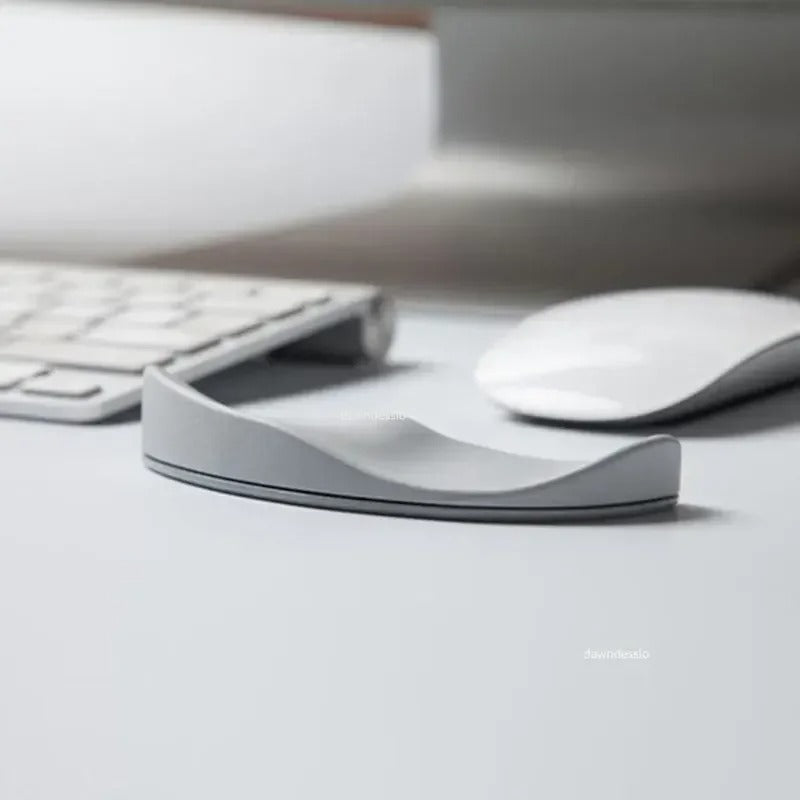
[391, 465]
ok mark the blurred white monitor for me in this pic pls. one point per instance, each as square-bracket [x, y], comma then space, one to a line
[574, 148]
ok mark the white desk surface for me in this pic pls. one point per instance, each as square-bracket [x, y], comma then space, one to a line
[160, 641]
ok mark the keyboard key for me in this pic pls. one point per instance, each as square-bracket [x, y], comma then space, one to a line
[177, 340]
[229, 291]
[153, 280]
[88, 312]
[222, 324]
[12, 372]
[159, 298]
[152, 315]
[85, 354]
[263, 307]
[27, 274]
[307, 293]
[62, 384]
[8, 316]
[49, 326]
[89, 296]
[23, 301]
[88, 278]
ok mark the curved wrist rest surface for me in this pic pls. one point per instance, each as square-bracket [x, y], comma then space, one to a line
[391, 465]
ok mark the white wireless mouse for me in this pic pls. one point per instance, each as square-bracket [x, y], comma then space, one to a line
[648, 355]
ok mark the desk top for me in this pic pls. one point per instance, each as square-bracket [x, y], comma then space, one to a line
[163, 641]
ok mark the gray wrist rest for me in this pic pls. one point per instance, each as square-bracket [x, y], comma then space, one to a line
[391, 466]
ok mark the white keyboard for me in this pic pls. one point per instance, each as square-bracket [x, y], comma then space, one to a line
[74, 340]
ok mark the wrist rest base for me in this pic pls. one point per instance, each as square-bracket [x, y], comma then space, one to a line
[365, 505]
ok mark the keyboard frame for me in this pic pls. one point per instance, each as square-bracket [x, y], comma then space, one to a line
[123, 391]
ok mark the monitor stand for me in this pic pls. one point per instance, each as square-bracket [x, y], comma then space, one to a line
[581, 151]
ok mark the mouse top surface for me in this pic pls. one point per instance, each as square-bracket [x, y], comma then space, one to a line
[643, 354]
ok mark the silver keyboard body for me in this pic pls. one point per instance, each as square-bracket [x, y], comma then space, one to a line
[74, 340]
